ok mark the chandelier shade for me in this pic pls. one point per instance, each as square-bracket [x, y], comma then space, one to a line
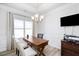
[37, 18]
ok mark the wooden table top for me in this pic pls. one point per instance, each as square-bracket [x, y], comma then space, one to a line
[37, 41]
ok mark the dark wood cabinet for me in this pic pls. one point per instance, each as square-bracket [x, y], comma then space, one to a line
[69, 48]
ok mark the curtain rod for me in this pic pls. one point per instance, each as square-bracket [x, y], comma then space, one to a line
[20, 15]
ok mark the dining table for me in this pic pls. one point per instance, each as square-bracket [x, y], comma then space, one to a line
[37, 44]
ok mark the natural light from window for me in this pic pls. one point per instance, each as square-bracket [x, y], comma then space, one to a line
[22, 28]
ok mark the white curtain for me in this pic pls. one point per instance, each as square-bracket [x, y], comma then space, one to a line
[10, 39]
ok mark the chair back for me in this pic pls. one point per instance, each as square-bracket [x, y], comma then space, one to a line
[40, 35]
[21, 49]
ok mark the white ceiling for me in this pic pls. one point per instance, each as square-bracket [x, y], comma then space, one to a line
[34, 8]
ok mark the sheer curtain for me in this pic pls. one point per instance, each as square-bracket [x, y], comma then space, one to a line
[18, 27]
[23, 26]
[10, 39]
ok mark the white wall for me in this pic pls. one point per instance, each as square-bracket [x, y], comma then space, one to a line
[35, 28]
[3, 31]
[51, 24]
[3, 24]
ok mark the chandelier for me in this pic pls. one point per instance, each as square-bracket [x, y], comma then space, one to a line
[37, 18]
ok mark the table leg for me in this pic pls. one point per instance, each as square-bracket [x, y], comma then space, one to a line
[43, 54]
[41, 51]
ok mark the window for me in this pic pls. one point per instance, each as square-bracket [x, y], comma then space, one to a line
[22, 28]
[28, 28]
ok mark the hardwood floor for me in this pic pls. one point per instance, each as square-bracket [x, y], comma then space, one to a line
[8, 53]
[51, 51]
[48, 51]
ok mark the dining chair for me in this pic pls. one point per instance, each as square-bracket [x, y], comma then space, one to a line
[40, 35]
[27, 36]
[22, 43]
[25, 52]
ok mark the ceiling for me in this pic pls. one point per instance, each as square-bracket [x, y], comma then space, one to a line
[34, 8]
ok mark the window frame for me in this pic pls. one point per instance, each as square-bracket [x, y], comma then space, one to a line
[24, 20]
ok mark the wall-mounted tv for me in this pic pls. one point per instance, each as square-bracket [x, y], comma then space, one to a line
[71, 20]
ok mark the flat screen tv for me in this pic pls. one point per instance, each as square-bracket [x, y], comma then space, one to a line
[71, 20]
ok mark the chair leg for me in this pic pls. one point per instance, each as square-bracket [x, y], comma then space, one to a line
[17, 52]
